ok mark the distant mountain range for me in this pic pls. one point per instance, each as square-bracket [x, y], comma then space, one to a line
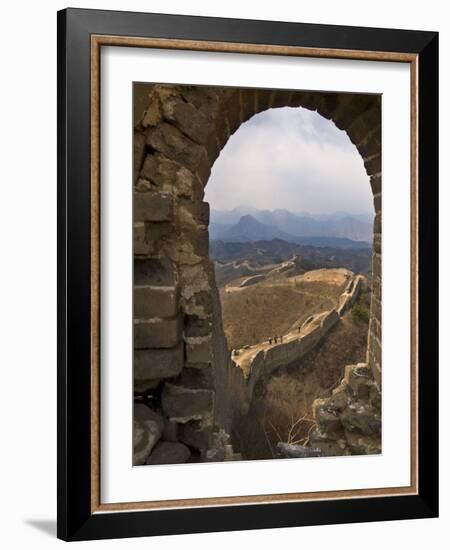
[340, 230]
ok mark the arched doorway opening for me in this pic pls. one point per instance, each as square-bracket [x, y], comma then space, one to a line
[291, 220]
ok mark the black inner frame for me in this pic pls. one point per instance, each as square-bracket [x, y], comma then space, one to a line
[75, 521]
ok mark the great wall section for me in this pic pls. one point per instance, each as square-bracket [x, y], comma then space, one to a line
[187, 387]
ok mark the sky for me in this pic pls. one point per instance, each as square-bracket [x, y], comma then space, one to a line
[290, 158]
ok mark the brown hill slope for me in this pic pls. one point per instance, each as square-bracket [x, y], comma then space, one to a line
[272, 307]
[281, 408]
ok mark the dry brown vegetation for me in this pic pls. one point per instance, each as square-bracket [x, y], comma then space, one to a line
[255, 313]
[281, 408]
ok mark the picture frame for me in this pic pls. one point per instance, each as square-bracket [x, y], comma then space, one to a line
[81, 36]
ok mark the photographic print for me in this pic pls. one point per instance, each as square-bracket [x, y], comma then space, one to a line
[257, 274]
[247, 267]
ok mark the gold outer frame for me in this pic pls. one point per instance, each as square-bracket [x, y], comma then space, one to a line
[97, 41]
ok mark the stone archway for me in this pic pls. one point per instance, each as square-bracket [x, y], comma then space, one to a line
[179, 341]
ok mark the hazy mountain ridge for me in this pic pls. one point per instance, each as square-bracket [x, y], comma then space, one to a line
[242, 224]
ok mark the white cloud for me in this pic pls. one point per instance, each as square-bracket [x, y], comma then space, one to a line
[290, 158]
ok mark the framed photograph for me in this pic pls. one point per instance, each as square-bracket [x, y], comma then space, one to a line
[247, 254]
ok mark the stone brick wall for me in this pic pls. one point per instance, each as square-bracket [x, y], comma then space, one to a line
[181, 362]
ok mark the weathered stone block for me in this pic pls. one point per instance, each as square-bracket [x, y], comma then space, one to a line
[376, 287]
[171, 177]
[263, 99]
[182, 404]
[157, 333]
[359, 379]
[199, 303]
[377, 202]
[200, 242]
[152, 207]
[338, 400]
[154, 272]
[305, 100]
[288, 450]
[187, 118]
[205, 99]
[328, 446]
[222, 128]
[138, 153]
[248, 103]
[372, 165]
[376, 264]
[154, 231]
[362, 418]
[377, 243]
[329, 105]
[199, 351]
[198, 376]
[152, 115]
[153, 365]
[147, 429]
[195, 326]
[193, 213]
[371, 145]
[195, 435]
[170, 431]
[172, 143]
[327, 420]
[353, 105]
[377, 223]
[140, 245]
[360, 444]
[155, 301]
[281, 98]
[166, 452]
[375, 183]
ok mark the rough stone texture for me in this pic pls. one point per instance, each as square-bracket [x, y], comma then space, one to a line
[157, 333]
[288, 450]
[167, 452]
[182, 404]
[152, 207]
[154, 272]
[196, 435]
[198, 350]
[221, 448]
[195, 326]
[138, 152]
[349, 422]
[188, 119]
[156, 231]
[198, 375]
[141, 247]
[173, 144]
[170, 177]
[155, 301]
[147, 429]
[153, 365]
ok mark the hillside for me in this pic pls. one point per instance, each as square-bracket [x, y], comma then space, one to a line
[270, 307]
[281, 409]
[237, 259]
